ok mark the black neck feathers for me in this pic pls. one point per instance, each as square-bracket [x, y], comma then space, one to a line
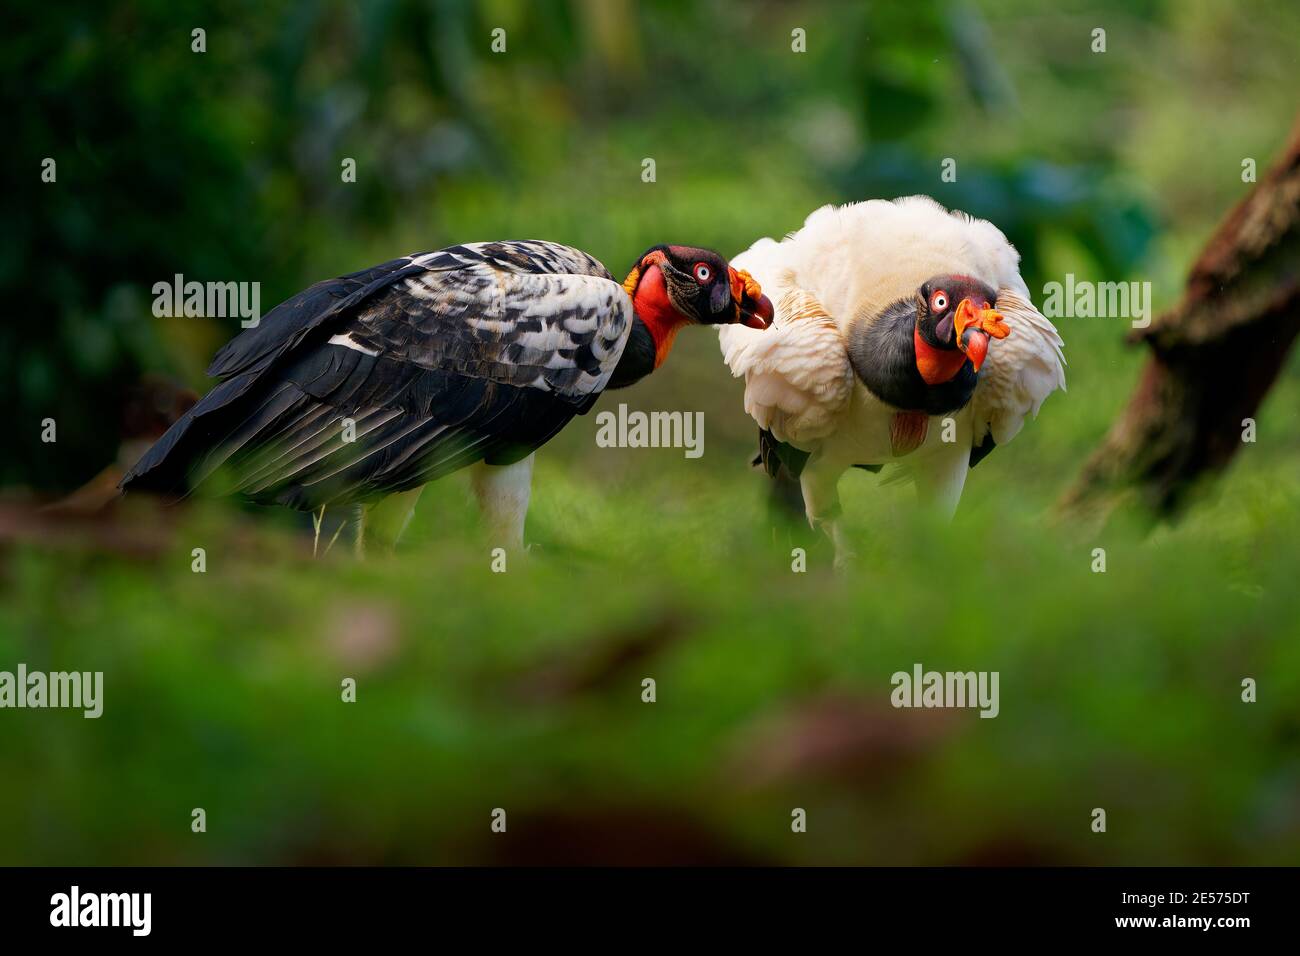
[883, 355]
[638, 358]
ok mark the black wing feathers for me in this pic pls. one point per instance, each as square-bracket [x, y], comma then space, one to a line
[473, 353]
[290, 322]
[774, 455]
[407, 426]
[980, 452]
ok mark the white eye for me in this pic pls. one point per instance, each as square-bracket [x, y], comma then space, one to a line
[703, 273]
[939, 302]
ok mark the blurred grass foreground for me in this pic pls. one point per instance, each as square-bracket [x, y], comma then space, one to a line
[525, 690]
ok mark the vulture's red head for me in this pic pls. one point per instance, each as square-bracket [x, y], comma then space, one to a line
[672, 286]
[955, 318]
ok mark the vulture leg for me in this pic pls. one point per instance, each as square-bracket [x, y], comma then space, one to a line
[941, 477]
[821, 501]
[502, 492]
[386, 520]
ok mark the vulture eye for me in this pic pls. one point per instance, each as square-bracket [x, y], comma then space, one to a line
[939, 302]
[702, 273]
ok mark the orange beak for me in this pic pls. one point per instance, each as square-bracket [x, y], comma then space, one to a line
[974, 328]
[752, 307]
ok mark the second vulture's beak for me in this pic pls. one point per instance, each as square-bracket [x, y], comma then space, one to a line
[752, 307]
[975, 326]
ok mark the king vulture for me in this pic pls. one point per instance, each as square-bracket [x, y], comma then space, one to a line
[361, 390]
[903, 334]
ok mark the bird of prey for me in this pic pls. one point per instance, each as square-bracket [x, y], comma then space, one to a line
[903, 335]
[360, 390]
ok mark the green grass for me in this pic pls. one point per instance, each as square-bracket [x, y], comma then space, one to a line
[522, 690]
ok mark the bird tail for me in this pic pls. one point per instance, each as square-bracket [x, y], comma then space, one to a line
[166, 468]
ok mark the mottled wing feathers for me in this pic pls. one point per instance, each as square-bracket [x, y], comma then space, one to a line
[281, 329]
[394, 376]
[522, 257]
[481, 303]
[561, 333]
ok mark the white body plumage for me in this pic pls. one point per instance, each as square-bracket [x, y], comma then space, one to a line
[845, 267]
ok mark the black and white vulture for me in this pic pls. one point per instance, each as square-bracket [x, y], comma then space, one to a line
[360, 390]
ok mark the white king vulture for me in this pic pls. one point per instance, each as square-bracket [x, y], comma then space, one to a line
[367, 387]
[903, 334]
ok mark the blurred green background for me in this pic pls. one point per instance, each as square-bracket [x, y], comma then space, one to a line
[523, 690]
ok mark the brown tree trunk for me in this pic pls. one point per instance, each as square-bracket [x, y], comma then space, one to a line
[1214, 357]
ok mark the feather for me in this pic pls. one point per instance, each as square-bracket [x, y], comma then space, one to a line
[797, 374]
[840, 273]
[477, 352]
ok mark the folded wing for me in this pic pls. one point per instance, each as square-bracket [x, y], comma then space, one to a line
[386, 379]
[798, 380]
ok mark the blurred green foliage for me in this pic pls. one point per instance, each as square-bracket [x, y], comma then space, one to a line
[523, 690]
[225, 165]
